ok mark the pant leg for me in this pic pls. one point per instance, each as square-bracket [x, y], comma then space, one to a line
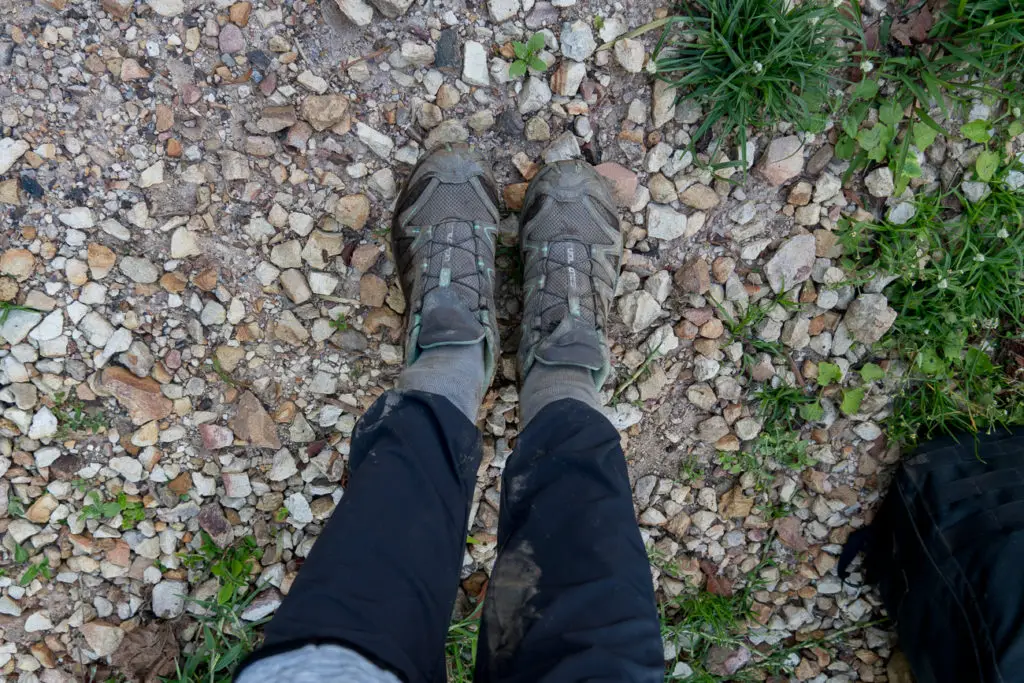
[383, 575]
[571, 597]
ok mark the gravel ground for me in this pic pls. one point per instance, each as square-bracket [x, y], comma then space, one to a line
[194, 201]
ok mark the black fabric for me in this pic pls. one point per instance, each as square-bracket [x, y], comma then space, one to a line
[947, 552]
[571, 597]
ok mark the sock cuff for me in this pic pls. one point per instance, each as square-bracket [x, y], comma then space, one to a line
[455, 372]
[545, 384]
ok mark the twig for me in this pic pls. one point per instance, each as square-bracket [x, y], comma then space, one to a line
[372, 55]
[650, 26]
[796, 371]
[639, 371]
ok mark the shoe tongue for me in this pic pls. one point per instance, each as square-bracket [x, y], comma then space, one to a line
[447, 321]
[572, 343]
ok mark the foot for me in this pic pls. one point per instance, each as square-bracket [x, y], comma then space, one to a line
[443, 239]
[572, 247]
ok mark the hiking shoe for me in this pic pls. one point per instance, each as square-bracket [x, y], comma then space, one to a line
[443, 240]
[572, 247]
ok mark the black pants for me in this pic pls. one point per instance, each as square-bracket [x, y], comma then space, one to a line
[570, 598]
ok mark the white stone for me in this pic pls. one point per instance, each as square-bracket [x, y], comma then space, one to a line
[534, 95]
[154, 175]
[379, 144]
[358, 12]
[38, 621]
[577, 41]
[51, 327]
[79, 218]
[167, 8]
[127, 467]
[169, 599]
[44, 424]
[502, 10]
[185, 243]
[298, 509]
[665, 223]
[10, 151]
[474, 65]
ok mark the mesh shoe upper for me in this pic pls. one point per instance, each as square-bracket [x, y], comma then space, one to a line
[443, 238]
[569, 234]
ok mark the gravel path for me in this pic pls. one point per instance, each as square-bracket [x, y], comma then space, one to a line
[194, 201]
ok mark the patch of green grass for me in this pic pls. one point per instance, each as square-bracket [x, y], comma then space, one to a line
[699, 621]
[959, 296]
[224, 638]
[781, 405]
[752, 63]
[784, 447]
[74, 417]
[743, 462]
[460, 648]
[968, 47]
[132, 512]
[742, 327]
[232, 566]
[526, 57]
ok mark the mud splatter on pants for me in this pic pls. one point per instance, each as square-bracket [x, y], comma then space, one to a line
[570, 598]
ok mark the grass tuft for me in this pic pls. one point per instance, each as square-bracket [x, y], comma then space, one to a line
[752, 63]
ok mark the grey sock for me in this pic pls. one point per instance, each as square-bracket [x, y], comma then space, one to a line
[546, 384]
[455, 372]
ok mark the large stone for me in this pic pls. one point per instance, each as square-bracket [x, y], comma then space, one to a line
[17, 324]
[792, 263]
[357, 11]
[379, 144]
[10, 151]
[663, 104]
[700, 197]
[474, 65]
[353, 211]
[568, 77]
[102, 638]
[140, 396]
[783, 160]
[212, 520]
[577, 41]
[392, 9]
[639, 310]
[18, 263]
[324, 111]
[502, 10]
[169, 599]
[880, 182]
[622, 180]
[665, 223]
[534, 95]
[253, 425]
[869, 317]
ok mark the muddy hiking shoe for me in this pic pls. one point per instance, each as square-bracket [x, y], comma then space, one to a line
[572, 248]
[443, 240]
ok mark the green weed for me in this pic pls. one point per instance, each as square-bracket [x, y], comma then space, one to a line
[752, 63]
[132, 512]
[960, 300]
[232, 566]
[526, 56]
[782, 405]
[968, 46]
[340, 322]
[224, 638]
[73, 416]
